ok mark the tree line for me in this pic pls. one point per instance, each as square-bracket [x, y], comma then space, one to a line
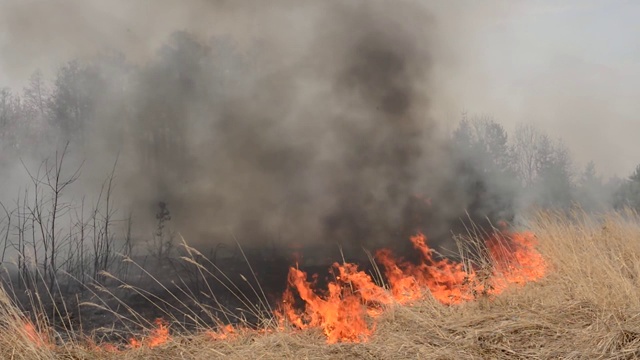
[137, 106]
[538, 170]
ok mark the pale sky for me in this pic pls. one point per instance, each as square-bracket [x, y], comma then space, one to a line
[572, 68]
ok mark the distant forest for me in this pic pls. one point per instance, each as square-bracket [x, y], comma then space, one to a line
[108, 105]
[103, 95]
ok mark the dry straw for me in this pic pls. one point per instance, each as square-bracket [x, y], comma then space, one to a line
[587, 307]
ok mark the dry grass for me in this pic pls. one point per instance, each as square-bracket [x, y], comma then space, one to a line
[588, 307]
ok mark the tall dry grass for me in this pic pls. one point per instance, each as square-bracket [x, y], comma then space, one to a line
[587, 307]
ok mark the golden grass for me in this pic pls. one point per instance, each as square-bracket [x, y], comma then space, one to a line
[588, 307]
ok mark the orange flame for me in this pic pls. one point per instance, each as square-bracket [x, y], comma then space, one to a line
[135, 343]
[340, 313]
[346, 311]
[447, 281]
[157, 337]
[515, 260]
[225, 333]
[34, 335]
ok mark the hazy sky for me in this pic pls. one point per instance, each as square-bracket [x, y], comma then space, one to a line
[572, 68]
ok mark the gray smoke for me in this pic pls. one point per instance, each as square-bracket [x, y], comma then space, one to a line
[328, 148]
[319, 131]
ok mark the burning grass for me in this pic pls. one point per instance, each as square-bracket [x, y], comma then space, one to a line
[586, 306]
[346, 312]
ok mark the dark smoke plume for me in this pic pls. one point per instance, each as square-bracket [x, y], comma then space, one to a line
[319, 132]
[335, 148]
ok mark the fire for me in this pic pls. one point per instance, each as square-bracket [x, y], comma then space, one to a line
[224, 333]
[340, 313]
[515, 259]
[158, 336]
[448, 282]
[346, 311]
[34, 335]
[135, 343]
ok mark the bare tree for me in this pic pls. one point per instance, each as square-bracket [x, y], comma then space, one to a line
[544, 166]
[103, 239]
[53, 180]
[162, 243]
[36, 95]
[5, 230]
[526, 152]
[10, 110]
[24, 223]
[37, 111]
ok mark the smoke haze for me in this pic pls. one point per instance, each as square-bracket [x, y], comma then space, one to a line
[329, 130]
[329, 145]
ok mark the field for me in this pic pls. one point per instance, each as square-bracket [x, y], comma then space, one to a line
[586, 307]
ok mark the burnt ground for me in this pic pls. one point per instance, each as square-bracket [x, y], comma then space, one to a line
[192, 296]
[174, 289]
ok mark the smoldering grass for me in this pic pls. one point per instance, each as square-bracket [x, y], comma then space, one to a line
[265, 304]
[238, 293]
[169, 310]
[228, 284]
